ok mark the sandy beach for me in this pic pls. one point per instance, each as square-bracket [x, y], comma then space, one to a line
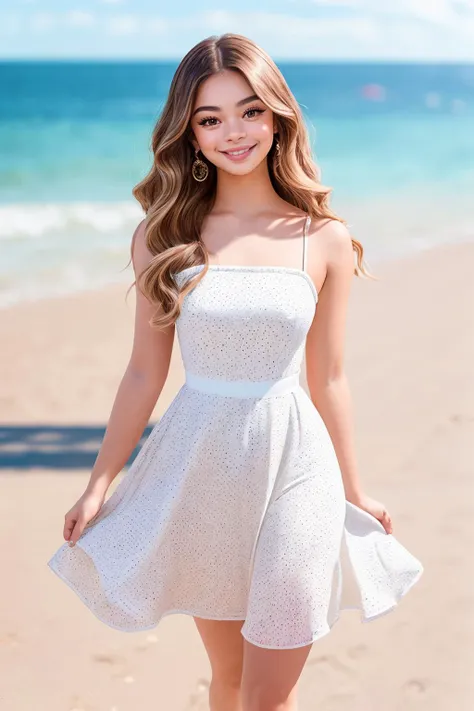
[410, 350]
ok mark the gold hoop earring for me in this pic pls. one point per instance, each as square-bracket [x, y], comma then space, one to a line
[200, 168]
[277, 147]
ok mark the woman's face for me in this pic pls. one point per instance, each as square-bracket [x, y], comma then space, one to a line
[227, 117]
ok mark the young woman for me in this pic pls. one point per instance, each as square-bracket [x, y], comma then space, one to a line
[244, 506]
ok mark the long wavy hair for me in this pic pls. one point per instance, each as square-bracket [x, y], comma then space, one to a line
[176, 204]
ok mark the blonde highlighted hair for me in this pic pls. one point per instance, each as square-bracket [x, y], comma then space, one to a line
[176, 205]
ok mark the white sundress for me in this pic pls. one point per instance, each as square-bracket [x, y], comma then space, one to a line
[234, 508]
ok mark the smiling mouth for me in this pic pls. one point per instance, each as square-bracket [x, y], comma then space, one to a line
[239, 151]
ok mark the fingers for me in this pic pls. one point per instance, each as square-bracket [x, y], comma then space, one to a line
[73, 530]
[386, 521]
[68, 527]
[76, 534]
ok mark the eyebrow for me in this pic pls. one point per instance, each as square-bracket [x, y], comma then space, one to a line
[218, 108]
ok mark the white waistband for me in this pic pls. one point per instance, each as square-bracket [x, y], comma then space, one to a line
[243, 388]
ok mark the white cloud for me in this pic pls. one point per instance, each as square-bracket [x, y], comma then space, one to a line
[452, 12]
[288, 28]
[122, 25]
[79, 18]
[43, 21]
[10, 25]
[363, 29]
[157, 26]
[388, 34]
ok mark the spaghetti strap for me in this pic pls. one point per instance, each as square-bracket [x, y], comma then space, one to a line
[305, 241]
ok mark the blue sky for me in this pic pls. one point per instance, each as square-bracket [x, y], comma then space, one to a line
[290, 29]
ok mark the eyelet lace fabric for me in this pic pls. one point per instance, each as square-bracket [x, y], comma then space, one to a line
[234, 507]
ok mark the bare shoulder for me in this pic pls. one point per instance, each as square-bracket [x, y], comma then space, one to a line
[334, 233]
[334, 240]
[139, 251]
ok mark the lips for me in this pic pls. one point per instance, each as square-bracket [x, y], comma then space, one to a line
[232, 152]
[239, 157]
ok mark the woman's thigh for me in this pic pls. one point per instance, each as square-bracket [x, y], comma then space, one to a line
[270, 676]
[224, 646]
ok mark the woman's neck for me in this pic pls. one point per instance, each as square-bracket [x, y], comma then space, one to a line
[245, 195]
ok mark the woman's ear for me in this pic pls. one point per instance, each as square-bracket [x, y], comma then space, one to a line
[193, 142]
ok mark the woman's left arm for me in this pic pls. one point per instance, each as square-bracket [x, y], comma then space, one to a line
[327, 381]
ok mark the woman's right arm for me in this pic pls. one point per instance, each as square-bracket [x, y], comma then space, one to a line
[134, 402]
[141, 384]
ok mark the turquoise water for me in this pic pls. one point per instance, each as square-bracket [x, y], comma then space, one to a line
[395, 141]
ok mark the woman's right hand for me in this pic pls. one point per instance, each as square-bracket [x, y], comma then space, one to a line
[80, 514]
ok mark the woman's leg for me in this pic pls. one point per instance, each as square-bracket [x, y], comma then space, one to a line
[224, 646]
[270, 676]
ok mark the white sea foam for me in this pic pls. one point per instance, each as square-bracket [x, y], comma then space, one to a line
[27, 220]
[55, 249]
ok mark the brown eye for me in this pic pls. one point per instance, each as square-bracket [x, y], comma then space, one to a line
[203, 121]
[255, 110]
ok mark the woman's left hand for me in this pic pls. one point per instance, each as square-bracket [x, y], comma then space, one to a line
[376, 509]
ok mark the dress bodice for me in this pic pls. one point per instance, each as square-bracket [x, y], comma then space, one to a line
[245, 322]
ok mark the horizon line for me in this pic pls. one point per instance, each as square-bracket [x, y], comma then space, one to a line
[300, 60]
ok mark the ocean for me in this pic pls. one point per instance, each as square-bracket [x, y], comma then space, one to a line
[394, 141]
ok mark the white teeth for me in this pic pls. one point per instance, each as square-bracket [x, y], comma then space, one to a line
[237, 153]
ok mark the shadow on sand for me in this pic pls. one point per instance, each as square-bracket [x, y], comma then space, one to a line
[54, 446]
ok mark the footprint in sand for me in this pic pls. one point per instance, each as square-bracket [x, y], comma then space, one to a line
[151, 639]
[105, 658]
[457, 418]
[78, 704]
[415, 687]
[115, 660]
[10, 638]
[338, 702]
[328, 660]
[357, 652]
[199, 699]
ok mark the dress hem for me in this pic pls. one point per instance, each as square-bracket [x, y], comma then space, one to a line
[174, 611]
[365, 620]
[242, 617]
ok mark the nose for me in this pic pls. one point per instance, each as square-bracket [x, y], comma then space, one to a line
[235, 130]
